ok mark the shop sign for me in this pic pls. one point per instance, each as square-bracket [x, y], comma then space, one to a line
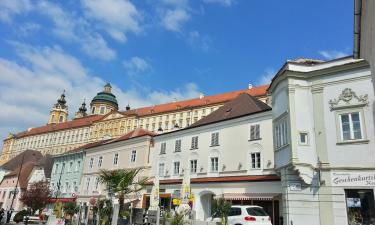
[353, 179]
[295, 187]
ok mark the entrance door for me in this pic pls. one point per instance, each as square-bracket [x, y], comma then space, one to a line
[360, 206]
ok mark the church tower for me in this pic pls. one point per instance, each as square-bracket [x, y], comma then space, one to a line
[59, 111]
[104, 102]
[82, 111]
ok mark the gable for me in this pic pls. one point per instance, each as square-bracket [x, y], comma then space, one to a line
[113, 115]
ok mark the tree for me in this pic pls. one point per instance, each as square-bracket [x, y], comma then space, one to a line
[221, 208]
[36, 196]
[124, 182]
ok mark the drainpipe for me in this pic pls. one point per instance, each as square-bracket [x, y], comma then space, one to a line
[357, 28]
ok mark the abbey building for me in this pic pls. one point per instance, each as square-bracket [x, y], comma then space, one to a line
[104, 120]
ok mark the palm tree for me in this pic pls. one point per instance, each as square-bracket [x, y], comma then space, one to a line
[221, 208]
[124, 182]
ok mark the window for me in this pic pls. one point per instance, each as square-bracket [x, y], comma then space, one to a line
[214, 164]
[176, 168]
[102, 109]
[194, 142]
[70, 167]
[87, 183]
[66, 189]
[97, 183]
[254, 132]
[61, 119]
[350, 124]
[255, 160]
[161, 169]
[115, 159]
[75, 187]
[281, 133]
[234, 211]
[56, 168]
[91, 162]
[133, 156]
[193, 166]
[215, 139]
[100, 161]
[163, 147]
[93, 110]
[78, 165]
[177, 147]
[303, 138]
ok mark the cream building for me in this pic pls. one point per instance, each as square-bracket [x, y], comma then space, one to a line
[105, 121]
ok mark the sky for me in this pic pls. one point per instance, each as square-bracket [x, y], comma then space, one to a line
[154, 51]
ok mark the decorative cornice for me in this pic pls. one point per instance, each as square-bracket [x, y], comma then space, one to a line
[346, 96]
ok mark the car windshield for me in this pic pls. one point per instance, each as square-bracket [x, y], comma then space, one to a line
[256, 211]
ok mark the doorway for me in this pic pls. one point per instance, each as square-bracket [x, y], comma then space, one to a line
[360, 206]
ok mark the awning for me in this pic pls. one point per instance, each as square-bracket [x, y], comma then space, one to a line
[248, 196]
[53, 200]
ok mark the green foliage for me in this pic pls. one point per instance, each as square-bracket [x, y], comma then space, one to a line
[125, 214]
[177, 219]
[19, 216]
[70, 208]
[124, 182]
[105, 209]
[221, 208]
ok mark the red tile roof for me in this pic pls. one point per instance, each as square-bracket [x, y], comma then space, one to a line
[196, 102]
[144, 111]
[139, 132]
[81, 122]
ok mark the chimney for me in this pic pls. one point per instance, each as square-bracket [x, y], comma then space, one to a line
[250, 86]
[201, 96]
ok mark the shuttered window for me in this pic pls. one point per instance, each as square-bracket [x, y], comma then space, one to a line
[194, 142]
[215, 139]
[163, 147]
[254, 132]
[177, 147]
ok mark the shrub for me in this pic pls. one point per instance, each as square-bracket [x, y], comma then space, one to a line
[19, 216]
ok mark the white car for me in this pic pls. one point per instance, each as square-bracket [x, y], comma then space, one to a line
[245, 215]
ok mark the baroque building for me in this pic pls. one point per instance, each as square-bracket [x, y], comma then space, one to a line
[105, 120]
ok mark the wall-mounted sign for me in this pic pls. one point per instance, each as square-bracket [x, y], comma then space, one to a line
[295, 187]
[352, 179]
[353, 202]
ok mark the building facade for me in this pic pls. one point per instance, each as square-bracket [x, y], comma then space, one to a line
[324, 141]
[227, 154]
[104, 121]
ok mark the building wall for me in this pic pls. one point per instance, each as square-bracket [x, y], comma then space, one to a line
[124, 150]
[7, 186]
[37, 175]
[66, 174]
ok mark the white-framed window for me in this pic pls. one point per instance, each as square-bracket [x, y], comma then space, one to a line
[176, 167]
[255, 160]
[75, 187]
[100, 161]
[57, 168]
[133, 156]
[254, 132]
[194, 142]
[78, 165]
[350, 126]
[215, 139]
[93, 110]
[87, 183]
[303, 138]
[66, 188]
[281, 133]
[163, 147]
[177, 147]
[115, 159]
[96, 183]
[71, 166]
[161, 169]
[91, 163]
[102, 109]
[214, 164]
[193, 166]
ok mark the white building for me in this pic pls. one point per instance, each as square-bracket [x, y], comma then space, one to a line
[324, 141]
[229, 154]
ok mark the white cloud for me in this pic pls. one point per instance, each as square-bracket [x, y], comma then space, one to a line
[136, 65]
[30, 87]
[198, 41]
[221, 2]
[28, 28]
[10, 8]
[173, 19]
[266, 77]
[332, 54]
[117, 17]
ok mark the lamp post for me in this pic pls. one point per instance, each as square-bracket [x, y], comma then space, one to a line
[15, 191]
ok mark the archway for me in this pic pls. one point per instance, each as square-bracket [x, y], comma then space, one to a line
[203, 205]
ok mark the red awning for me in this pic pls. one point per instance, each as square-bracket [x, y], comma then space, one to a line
[247, 196]
[53, 200]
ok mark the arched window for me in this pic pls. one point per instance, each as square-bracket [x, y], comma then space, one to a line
[61, 119]
[93, 110]
[102, 109]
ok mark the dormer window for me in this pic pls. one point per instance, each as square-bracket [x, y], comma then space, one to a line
[102, 109]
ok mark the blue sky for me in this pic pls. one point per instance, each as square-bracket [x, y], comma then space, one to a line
[154, 51]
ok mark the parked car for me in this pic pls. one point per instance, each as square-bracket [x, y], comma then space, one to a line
[245, 215]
